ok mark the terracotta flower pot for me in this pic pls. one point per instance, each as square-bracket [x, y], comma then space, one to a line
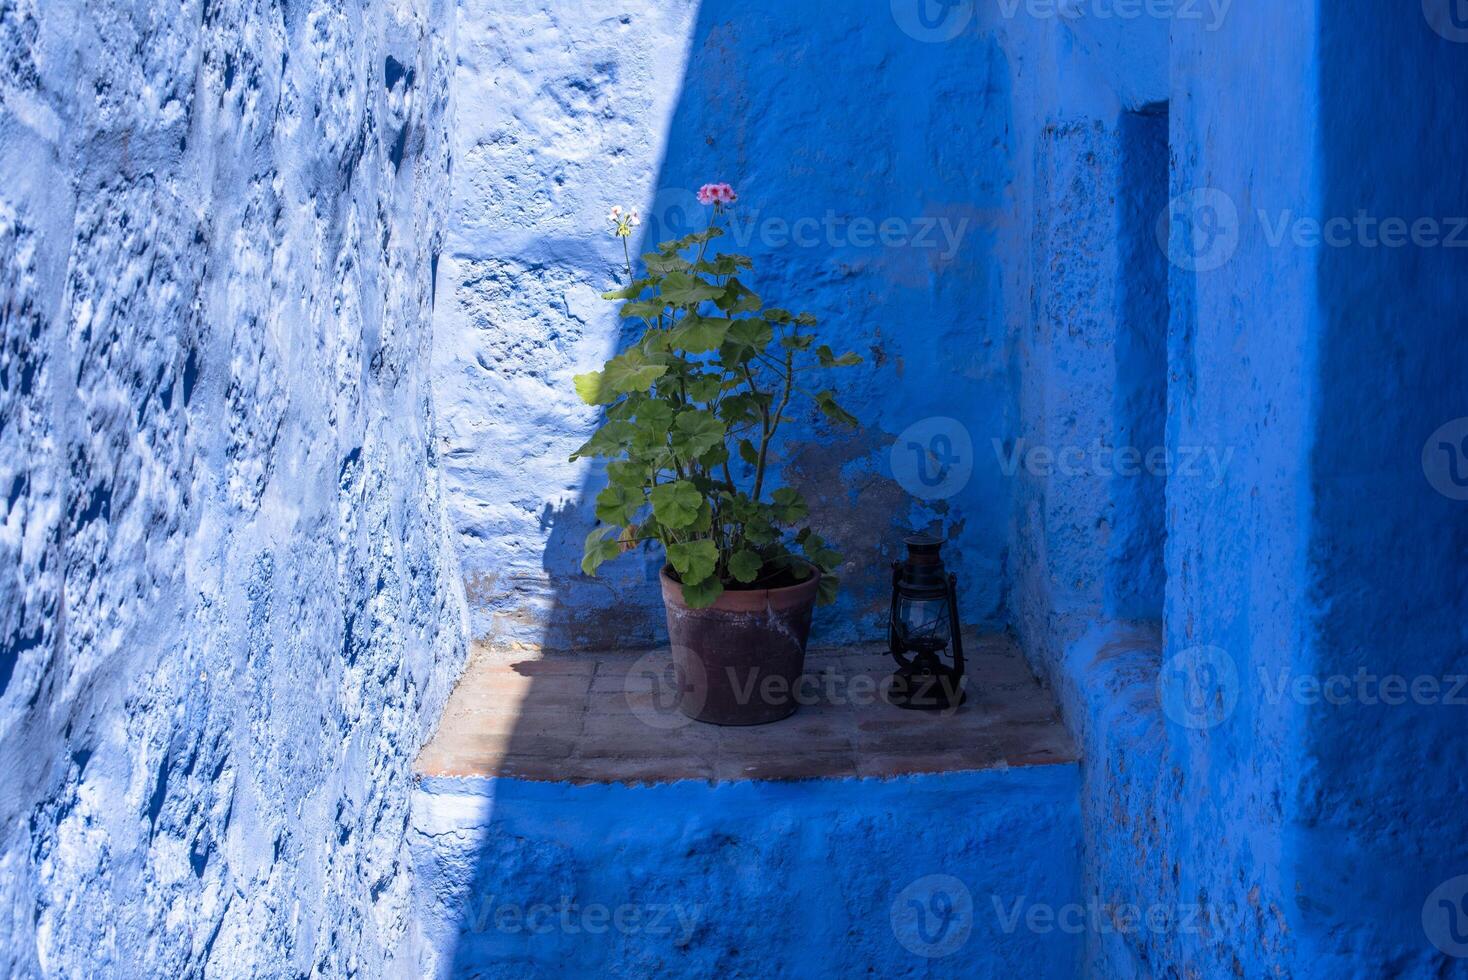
[740, 661]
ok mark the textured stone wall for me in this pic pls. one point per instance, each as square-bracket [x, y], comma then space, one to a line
[228, 611]
[1242, 373]
[834, 122]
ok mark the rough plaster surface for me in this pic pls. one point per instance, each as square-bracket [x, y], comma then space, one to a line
[1298, 837]
[565, 109]
[1384, 786]
[228, 611]
[753, 879]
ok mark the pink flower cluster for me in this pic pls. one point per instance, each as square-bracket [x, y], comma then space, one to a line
[716, 194]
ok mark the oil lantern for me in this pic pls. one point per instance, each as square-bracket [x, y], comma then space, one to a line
[924, 630]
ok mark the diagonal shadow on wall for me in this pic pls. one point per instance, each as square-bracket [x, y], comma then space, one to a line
[873, 169]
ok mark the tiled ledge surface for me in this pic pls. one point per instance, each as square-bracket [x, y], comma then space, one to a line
[597, 718]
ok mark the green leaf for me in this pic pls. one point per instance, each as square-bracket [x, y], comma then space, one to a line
[593, 389]
[676, 504]
[674, 246]
[618, 504]
[829, 358]
[694, 561]
[703, 521]
[797, 567]
[656, 414]
[745, 565]
[683, 289]
[825, 558]
[827, 589]
[715, 457]
[738, 298]
[696, 432]
[599, 549]
[750, 334]
[666, 260]
[627, 473]
[723, 265]
[622, 411]
[647, 309]
[631, 292]
[826, 401]
[704, 594]
[699, 334]
[633, 371]
[806, 320]
[609, 440]
[748, 453]
[797, 341]
[761, 533]
[738, 409]
[817, 552]
[777, 315]
[705, 388]
[789, 506]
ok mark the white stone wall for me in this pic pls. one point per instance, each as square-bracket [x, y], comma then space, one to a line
[564, 108]
[229, 611]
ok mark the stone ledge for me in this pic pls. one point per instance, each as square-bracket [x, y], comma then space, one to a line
[595, 718]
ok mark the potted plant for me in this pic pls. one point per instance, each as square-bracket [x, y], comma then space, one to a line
[692, 410]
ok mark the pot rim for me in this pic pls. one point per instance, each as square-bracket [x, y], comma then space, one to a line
[746, 600]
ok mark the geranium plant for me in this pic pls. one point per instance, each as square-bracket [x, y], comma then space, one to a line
[711, 381]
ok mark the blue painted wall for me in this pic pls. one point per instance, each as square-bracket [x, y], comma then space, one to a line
[1384, 792]
[883, 161]
[1314, 836]
[800, 879]
[229, 605]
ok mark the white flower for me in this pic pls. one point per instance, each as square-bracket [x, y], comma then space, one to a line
[616, 214]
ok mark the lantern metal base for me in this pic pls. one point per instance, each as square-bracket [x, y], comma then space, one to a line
[921, 688]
